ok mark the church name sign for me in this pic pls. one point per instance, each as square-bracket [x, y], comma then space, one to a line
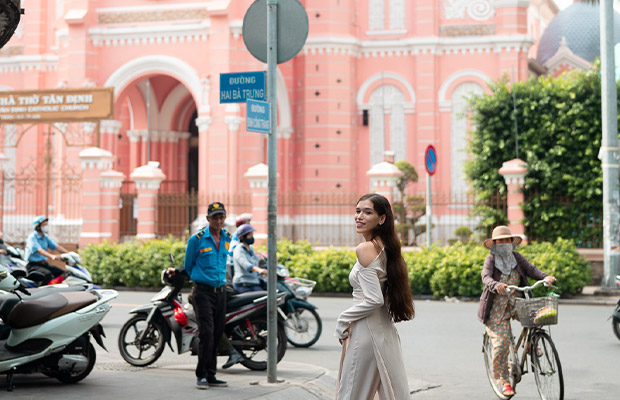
[56, 105]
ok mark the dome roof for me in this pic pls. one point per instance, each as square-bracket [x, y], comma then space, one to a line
[580, 25]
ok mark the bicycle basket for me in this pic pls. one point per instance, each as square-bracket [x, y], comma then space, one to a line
[301, 287]
[537, 311]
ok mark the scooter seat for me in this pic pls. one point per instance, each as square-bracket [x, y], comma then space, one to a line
[242, 299]
[9, 300]
[31, 312]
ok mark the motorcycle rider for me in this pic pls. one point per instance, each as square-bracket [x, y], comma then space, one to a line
[242, 219]
[38, 250]
[245, 261]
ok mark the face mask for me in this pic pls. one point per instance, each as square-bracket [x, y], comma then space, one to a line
[503, 249]
[44, 229]
[249, 240]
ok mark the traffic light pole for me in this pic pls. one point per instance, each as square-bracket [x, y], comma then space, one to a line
[272, 148]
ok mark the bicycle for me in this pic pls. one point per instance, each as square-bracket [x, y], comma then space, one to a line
[536, 343]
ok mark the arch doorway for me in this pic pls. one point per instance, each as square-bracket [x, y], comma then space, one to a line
[156, 114]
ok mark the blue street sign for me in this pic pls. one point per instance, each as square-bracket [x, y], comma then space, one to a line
[238, 87]
[430, 160]
[258, 118]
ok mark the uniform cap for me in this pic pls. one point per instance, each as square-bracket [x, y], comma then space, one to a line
[215, 208]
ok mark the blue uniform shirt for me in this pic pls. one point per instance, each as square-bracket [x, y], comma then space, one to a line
[36, 242]
[204, 262]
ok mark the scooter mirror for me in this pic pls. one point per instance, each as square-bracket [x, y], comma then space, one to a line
[171, 257]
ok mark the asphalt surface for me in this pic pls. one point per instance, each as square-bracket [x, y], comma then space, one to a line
[441, 351]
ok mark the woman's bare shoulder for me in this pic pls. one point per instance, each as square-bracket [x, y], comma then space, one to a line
[366, 253]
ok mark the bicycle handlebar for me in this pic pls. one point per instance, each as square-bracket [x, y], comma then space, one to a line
[526, 288]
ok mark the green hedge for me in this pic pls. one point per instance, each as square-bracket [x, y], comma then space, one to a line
[438, 270]
[131, 264]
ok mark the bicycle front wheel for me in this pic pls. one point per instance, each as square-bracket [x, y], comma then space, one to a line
[487, 351]
[546, 367]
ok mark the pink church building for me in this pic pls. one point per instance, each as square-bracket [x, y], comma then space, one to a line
[375, 77]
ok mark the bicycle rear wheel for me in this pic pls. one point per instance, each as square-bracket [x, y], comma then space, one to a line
[546, 367]
[487, 351]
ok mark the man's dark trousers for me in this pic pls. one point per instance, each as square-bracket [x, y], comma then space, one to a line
[210, 311]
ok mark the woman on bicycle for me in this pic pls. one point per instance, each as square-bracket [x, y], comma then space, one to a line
[503, 267]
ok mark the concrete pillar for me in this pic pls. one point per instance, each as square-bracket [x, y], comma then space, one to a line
[134, 149]
[147, 179]
[257, 175]
[384, 176]
[202, 123]
[514, 172]
[109, 130]
[101, 187]
[233, 121]
[111, 183]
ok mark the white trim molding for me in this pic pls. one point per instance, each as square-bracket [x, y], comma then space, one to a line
[382, 76]
[171, 66]
[43, 63]
[149, 34]
[512, 3]
[444, 103]
[418, 46]
[110, 126]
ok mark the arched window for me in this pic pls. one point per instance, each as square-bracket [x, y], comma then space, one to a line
[458, 134]
[387, 110]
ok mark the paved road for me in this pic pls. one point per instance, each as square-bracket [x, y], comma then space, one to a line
[441, 348]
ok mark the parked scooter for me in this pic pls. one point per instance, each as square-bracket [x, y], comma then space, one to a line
[615, 316]
[76, 275]
[302, 321]
[143, 337]
[48, 329]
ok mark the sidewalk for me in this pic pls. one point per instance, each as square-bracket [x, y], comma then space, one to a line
[593, 295]
[168, 381]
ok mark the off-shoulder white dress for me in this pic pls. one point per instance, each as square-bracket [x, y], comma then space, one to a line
[371, 363]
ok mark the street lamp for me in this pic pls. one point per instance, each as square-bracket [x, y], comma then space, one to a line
[10, 11]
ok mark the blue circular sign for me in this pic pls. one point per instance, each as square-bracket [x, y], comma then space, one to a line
[430, 160]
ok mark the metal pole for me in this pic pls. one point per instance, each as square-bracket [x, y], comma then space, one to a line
[148, 120]
[609, 149]
[429, 228]
[272, 63]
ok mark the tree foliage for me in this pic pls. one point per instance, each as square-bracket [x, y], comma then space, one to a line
[408, 208]
[559, 136]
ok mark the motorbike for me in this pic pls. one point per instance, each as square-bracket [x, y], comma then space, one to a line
[49, 329]
[143, 337]
[76, 274]
[302, 322]
[615, 316]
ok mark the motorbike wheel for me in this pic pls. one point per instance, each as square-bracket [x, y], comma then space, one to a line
[253, 348]
[615, 323]
[307, 330]
[76, 376]
[151, 347]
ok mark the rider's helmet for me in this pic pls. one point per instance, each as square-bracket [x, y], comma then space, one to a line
[244, 230]
[243, 219]
[38, 221]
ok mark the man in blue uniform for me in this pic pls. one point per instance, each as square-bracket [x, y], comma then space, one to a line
[205, 263]
[39, 248]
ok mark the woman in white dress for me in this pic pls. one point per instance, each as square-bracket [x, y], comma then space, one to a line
[372, 362]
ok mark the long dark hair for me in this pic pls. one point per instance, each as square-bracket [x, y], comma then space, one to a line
[397, 288]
